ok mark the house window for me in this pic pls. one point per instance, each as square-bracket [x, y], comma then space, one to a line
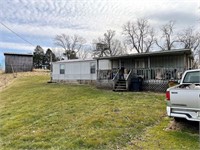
[92, 68]
[62, 69]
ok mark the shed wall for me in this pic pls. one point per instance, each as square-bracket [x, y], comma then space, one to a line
[18, 63]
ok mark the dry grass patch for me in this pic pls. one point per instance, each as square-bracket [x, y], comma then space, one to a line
[7, 78]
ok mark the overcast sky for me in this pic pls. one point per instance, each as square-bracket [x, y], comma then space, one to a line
[38, 21]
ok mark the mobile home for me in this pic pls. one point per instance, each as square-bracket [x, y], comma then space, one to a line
[74, 71]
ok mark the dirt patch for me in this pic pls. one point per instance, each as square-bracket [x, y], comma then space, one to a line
[173, 125]
[183, 125]
[7, 78]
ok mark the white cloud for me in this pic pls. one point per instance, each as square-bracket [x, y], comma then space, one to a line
[18, 46]
[92, 15]
[49, 31]
[90, 18]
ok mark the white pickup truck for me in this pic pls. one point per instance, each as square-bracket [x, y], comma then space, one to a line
[183, 100]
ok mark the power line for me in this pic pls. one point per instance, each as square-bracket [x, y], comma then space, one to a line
[17, 34]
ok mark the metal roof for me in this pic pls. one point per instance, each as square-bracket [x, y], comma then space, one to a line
[155, 53]
[15, 54]
[74, 60]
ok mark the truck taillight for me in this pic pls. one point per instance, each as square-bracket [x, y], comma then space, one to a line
[168, 95]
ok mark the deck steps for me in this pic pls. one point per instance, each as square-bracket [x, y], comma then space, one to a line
[120, 86]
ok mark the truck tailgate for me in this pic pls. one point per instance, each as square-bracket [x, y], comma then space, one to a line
[186, 98]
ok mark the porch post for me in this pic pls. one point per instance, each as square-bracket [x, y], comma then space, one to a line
[111, 64]
[185, 62]
[149, 66]
[97, 69]
[199, 60]
[120, 63]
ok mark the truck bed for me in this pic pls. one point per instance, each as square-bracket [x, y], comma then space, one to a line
[184, 100]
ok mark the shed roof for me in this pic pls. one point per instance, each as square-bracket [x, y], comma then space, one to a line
[155, 53]
[15, 54]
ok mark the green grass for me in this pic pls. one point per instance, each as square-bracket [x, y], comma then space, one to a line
[38, 115]
[160, 137]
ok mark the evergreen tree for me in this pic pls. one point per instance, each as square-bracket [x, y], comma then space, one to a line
[49, 57]
[38, 57]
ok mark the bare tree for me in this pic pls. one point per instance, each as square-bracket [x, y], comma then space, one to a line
[190, 39]
[167, 37]
[83, 54]
[108, 40]
[71, 44]
[59, 53]
[117, 48]
[139, 35]
[108, 45]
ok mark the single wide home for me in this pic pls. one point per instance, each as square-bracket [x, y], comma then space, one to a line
[74, 71]
[18, 62]
[147, 71]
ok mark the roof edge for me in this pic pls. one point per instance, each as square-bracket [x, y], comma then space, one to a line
[166, 52]
[17, 54]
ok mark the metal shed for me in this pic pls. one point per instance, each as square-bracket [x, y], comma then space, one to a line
[18, 62]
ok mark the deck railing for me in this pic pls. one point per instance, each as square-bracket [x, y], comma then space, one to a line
[145, 73]
[159, 73]
[106, 74]
[115, 79]
[128, 79]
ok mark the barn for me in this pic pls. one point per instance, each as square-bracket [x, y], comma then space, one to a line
[74, 71]
[18, 62]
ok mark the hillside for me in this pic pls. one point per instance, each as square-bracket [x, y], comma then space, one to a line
[38, 115]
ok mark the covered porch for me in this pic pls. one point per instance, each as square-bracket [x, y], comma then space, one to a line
[155, 69]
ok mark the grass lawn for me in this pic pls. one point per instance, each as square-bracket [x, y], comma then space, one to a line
[38, 115]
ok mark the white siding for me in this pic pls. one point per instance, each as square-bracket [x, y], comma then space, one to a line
[56, 68]
[77, 70]
[104, 64]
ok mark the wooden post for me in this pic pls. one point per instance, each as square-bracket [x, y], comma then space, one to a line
[51, 66]
[185, 62]
[97, 70]
[199, 60]
[13, 71]
[120, 64]
[149, 66]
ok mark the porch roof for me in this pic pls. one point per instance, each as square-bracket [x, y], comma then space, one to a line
[155, 53]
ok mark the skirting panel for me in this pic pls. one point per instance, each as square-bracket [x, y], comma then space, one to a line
[155, 85]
